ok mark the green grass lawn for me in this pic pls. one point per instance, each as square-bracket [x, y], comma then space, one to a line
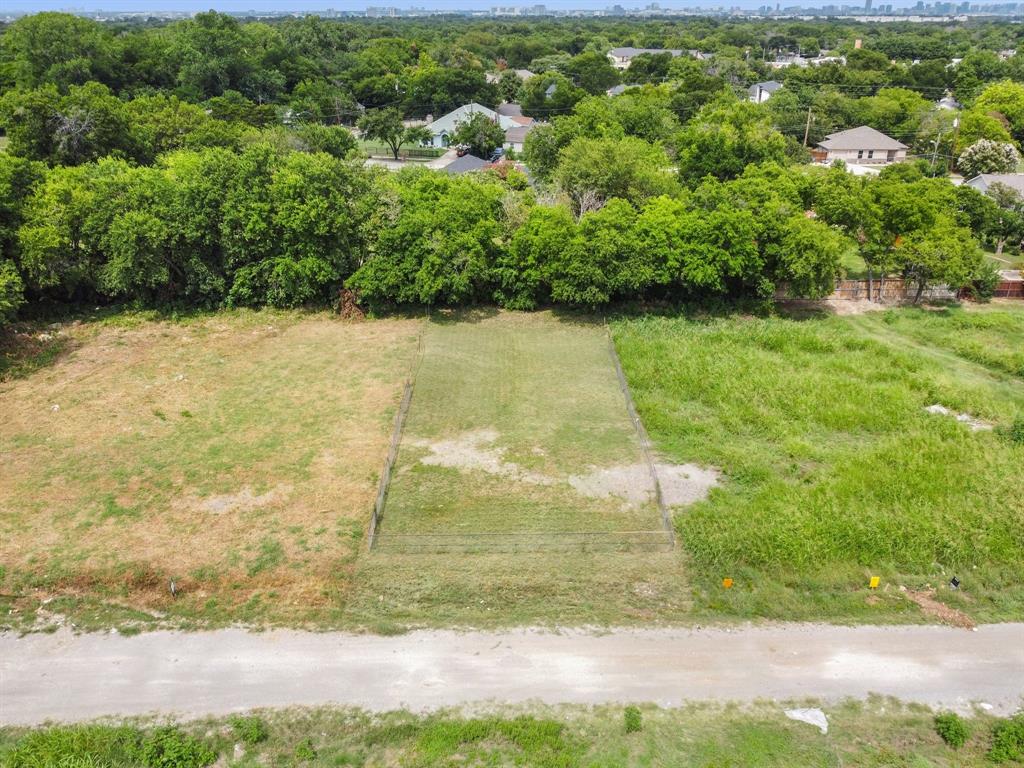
[834, 471]
[375, 149]
[853, 265]
[1009, 259]
[880, 732]
[506, 410]
[519, 403]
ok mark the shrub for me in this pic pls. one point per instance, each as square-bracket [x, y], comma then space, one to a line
[249, 730]
[952, 728]
[170, 748]
[985, 281]
[305, 752]
[1007, 740]
[633, 719]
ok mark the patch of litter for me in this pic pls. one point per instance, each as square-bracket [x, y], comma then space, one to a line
[54, 407]
[812, 716]
[243, 501]
[681, 484]
[473, 451]
[963, 418]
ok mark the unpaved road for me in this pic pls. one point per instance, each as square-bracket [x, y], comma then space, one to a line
[68, 677]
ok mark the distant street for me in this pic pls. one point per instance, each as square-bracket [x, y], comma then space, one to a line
[66, 677]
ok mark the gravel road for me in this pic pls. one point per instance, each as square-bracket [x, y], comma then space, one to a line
[76, 677]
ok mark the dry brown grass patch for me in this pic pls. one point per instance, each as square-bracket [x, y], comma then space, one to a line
[238, 454]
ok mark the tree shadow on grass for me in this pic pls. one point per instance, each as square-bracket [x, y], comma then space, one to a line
[457, 315]
[26, 348]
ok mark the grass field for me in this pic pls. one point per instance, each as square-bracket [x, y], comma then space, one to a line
[834, 471]
[507, 411]
[237, 454]
[881, 732]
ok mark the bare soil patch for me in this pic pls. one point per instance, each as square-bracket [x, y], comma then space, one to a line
[681, 484]
[474, 451]
[925, 598]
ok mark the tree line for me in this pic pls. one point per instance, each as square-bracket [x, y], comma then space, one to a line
[274, 225]
[184, 176]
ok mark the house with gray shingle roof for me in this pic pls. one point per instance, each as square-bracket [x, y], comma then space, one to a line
[621, 58]
[984, 181]
[761, 92]
[861, 146]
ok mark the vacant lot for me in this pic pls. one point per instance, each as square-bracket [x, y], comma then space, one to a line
[518, 425]
[236, 454]
[833, 469]
[518, 440]
[882, 732]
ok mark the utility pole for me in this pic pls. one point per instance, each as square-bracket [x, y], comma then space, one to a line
[935, 152]
[952, 147]
[807, 128]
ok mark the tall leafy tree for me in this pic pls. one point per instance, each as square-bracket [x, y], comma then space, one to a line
[385, 125]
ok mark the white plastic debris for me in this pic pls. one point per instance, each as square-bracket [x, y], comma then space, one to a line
[812, 716]
[964, 418]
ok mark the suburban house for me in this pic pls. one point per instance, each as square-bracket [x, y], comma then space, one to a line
[515, 137]
[860, 146]
[509, 109]
[618, 90]
[761, 92]
[465, 164]
[621, 58]
[443, 128]
[984, 181]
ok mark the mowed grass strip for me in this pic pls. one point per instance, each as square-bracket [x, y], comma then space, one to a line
[507, 407]
[833, 470]
[236, 454]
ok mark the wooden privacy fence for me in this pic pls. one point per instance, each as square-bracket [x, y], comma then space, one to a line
[1009, 289]
[889, 290]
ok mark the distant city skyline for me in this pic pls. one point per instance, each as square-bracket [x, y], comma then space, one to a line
[359, 7]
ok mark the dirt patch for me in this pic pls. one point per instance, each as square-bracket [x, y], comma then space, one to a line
[681, 484]
[846, 307]
[243, 501]
[975, 424]
[475, 451]
[925, 599]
